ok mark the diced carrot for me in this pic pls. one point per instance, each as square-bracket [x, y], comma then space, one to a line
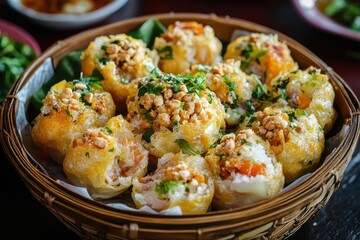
[304, 101]
[244, 167]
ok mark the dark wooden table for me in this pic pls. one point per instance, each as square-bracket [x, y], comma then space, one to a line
[339, 219]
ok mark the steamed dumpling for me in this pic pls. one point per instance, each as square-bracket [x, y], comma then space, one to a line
[180, 180]
[106, 160]
[245, 170]
[70, 108]
[185, 44]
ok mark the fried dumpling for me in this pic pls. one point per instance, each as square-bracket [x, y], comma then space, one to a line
[180, 180]
[261, 54]
[308, 90]
[245, 171]
[233, 87]
[171, 109]
[120, 59]
[70, 108]
[106, 160]
[295, 137]
[185, 44]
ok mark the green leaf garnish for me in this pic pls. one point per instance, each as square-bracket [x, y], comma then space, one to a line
[148, 31]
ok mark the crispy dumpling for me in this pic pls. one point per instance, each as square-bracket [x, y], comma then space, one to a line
[245, 171]
[309, 90]
[233, 87]
[120, 59]
[70, 108]
[106, 160]
[295, 137]
[180, 180]
[168, 109]
[261, 54]
[185, 44]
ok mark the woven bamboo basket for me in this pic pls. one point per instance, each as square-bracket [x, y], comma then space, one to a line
[274, 218]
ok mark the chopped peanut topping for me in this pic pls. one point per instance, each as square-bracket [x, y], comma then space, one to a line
[273, 126]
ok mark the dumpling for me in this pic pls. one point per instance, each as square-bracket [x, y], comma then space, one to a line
[295, 137]
[106, 160]
[70, 108]
[309, 90]
[245, 170]
[120, 59]
[233, 87]
[261, 54]
[175, 112]
[185, 44]
[180, 180]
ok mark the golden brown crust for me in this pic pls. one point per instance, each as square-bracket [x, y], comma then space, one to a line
[105, 160]
[65, 112]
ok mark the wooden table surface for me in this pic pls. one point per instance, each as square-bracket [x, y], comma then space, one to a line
[339, 219]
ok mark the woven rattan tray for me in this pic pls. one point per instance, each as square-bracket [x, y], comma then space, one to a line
[275, 218]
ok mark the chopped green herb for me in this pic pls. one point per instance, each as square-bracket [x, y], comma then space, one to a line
[291, 115]
[182, 105]
[300, 112]
[111, 150]
[257, 54]
[147, 116]
[244, 65]
[251, 108]
[115, 41]
[185, 146]
[232, 87]
[68, 113]
[223, 157]
[151, 88]
[166, 52]
[102, 60]
[166, 186]
[245, 142]
[211, 96]
[247, 51]
[260, 92]
[175, 123]
[106, 129]
[147, 134]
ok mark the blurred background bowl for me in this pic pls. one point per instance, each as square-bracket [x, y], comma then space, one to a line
[312, 12]
[66, 20]
[18, 34]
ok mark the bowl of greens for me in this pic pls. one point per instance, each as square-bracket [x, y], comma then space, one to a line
[341, 17]
[17, 51]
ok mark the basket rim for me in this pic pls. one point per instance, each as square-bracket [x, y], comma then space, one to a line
[50, 185]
